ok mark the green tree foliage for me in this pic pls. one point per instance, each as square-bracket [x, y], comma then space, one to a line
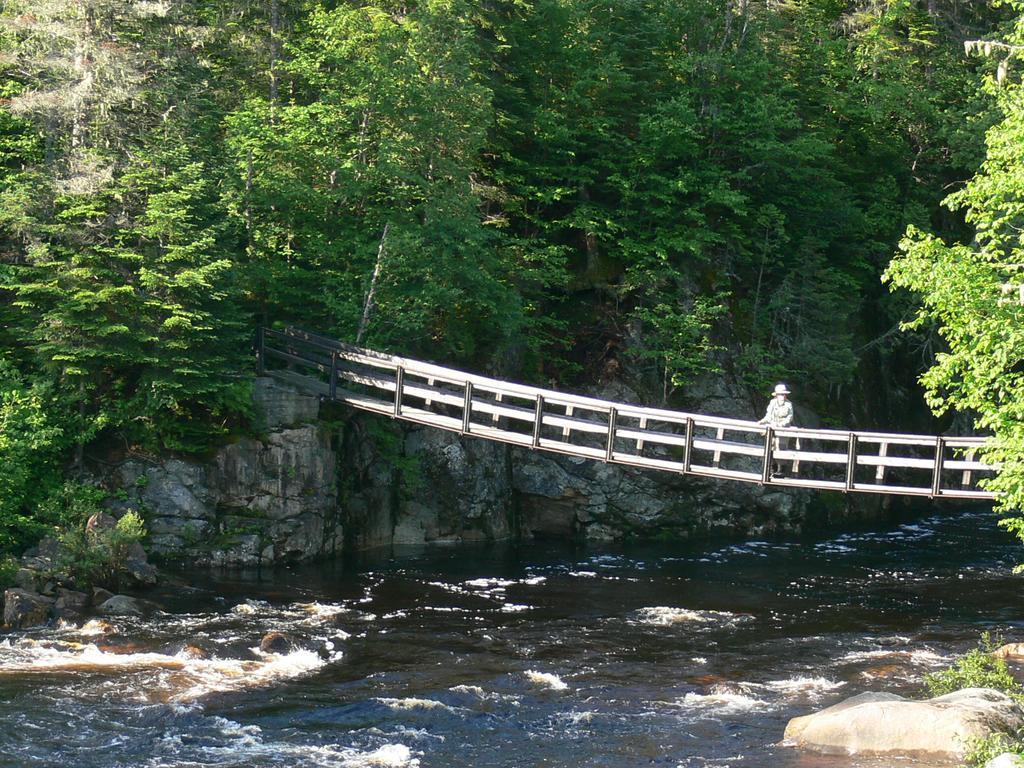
[385, 128]
[32, 443]
[122, 276]
[537, 186]
[968, 291]
[977, 668]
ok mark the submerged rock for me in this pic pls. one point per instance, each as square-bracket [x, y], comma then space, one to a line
[123, 605]
[886, 723]
[276, 642]
[24, 609]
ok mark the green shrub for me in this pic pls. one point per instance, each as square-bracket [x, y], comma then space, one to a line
[977, 668]
[980, 751]
[8, 567]
[31, 447]
[99, 557]
[94, 557]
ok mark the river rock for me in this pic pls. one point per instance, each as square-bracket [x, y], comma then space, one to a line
[100, 595]
[138, 567]
[1010, 652]
[886, 723]
[123, 605]
[25, 609]
[70, 604]
[30, 580]
[1006, 760]
[276, 642]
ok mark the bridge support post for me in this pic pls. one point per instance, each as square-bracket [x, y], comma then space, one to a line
[332, 387]
[399, 390]
[851, 461]
[467, 408]
[940, 457]
[688, 447]
[538, 420]
[260, 355]
[613, 417]
[766, 466]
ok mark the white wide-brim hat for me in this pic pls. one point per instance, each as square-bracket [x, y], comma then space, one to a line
[781, 389]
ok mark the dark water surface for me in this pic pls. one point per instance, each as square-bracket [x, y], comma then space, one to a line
[536, 656]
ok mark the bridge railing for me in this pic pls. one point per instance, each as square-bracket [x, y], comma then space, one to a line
[545, 419]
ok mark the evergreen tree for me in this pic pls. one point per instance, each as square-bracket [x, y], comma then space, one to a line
[970, 291]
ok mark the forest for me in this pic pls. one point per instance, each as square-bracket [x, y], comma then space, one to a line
[828, 192]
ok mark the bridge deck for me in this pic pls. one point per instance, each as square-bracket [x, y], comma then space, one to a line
[624, 433]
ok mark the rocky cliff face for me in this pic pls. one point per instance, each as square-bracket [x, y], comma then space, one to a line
[259, 501]
[438, 486]
[307, 489]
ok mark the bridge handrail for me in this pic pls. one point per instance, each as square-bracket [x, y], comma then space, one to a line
[450, 399]
[555, 397]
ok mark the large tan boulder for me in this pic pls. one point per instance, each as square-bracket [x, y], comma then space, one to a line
[25, 609]
[1010, 652]
[886, 723]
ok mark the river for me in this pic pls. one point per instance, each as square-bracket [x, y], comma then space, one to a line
[541, 655]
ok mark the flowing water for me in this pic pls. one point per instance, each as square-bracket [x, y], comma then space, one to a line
[529, 656]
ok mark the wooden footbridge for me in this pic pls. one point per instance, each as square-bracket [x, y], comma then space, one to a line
[652, 438]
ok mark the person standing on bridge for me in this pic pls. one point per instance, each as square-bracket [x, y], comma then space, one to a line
[779, 416]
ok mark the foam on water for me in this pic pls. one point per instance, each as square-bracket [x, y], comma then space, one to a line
[664, 616]
[803, 685]
[546, 679]
[490, 583]
[248, 743]
[180, 677]
[388, 756]
[719, 702]
[413, 703]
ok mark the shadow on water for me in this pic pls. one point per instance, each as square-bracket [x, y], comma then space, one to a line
[539, 655]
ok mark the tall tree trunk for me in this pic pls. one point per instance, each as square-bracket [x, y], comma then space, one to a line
[275, 23]
[368, 306]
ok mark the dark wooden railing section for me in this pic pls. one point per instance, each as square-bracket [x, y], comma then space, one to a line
[635, 435]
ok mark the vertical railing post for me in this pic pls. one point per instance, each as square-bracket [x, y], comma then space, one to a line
[883, 451]
[851, 460]
[640, 443]
[940, 457]
[613, 417]
[333, 377]
[399, 390]
[965, 478]
[260, 354]
[467, 408]
[717, 458]
[538, 419]
[427, 401]
[496, 417]
[769, 436]
[688, 446]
